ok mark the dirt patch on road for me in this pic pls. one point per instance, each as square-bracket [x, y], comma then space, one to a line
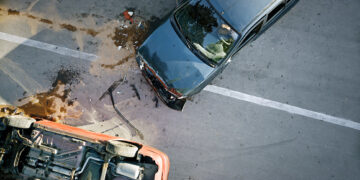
[69, 27]
[13, 12]
[31, 16]
[91, 32]
[120, 62]
[46, 21]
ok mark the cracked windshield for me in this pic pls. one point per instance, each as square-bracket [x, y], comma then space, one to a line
[206, 31]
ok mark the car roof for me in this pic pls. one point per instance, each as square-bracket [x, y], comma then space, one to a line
[240, 13]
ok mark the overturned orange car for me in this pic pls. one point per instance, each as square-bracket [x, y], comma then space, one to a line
[48, 150]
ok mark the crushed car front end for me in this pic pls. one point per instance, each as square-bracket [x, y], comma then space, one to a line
[169, 96]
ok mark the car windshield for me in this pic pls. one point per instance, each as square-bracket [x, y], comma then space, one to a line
[203, 28]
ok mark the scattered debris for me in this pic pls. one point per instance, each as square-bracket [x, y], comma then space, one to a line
[135, 90]
[114, 85]
[128, 16]
[134, 131]
[124, 34]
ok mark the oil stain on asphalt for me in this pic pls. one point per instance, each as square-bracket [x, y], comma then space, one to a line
[54, 104]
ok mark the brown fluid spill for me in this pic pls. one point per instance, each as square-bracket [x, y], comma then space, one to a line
[54, 104]
[31, 16]
[92, 32]
[68, 27]
[46, 21]
[13, 12]
[118, 46]
[6, 110]
[120, 62]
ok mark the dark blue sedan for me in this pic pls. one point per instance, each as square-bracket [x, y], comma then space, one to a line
[196, 42]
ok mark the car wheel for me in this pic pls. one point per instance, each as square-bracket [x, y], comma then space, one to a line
[121, 148]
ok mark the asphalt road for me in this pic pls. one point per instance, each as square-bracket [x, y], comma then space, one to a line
[310, 59]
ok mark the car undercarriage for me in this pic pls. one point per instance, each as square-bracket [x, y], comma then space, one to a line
[31, 149]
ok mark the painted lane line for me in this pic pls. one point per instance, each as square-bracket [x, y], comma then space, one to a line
[210, 88]
[283, 107]
[47, 47]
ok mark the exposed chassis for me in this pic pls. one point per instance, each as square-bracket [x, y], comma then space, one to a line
[48, 150]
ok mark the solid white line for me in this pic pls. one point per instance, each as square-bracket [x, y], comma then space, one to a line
[47, 47]
[211, 88]
[283, 107]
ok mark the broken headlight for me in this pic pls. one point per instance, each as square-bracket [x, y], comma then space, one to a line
[141, 62]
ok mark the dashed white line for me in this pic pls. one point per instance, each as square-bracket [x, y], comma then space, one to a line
[210, 88]
[283, 107]
[47, 47]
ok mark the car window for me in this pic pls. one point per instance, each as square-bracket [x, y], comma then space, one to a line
[205, 31]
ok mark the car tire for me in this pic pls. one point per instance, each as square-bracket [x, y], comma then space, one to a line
[18, 121]
[121, 148]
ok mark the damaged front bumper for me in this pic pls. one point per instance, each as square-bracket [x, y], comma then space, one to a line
[170, 99]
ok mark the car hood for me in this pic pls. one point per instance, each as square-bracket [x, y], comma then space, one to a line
[166, 53]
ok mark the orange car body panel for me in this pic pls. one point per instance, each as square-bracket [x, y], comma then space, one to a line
[160, 158]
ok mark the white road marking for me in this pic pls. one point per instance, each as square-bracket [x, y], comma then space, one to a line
[283, 107]
[211, 88]
[21, 77]
[47, 47]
